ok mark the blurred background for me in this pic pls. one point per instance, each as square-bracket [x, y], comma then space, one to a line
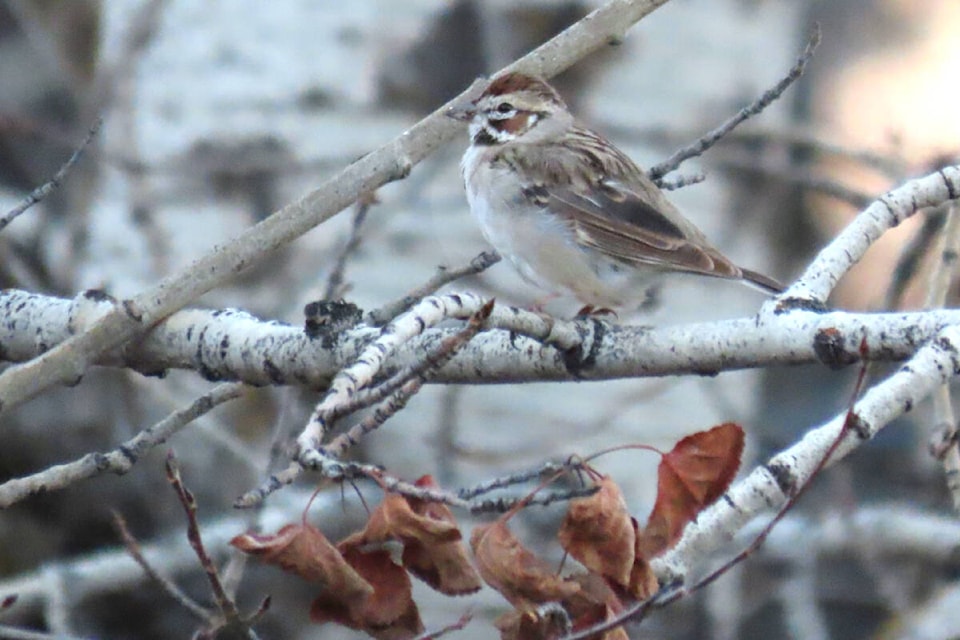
[218, 113]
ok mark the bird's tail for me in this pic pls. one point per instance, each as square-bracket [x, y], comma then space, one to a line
[762, 282]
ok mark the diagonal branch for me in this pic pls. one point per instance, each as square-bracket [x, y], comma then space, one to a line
[68, 361]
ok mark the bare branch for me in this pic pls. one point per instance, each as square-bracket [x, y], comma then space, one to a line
[404, 385]
[944, 272]
[670, 164]
[334, 288]
[386, 313]
[400, 388]
[230, 617]
[121, 459]
[47, 188]
[168, 586]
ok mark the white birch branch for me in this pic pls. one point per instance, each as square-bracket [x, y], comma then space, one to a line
[236, 346]
[520, 346]
[819, 279]
[769, 485]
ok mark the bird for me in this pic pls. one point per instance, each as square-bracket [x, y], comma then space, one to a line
[572, 213]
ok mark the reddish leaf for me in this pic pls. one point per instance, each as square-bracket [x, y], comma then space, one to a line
[521, 577]
[693, 475]
[599, 532]
[303, 550]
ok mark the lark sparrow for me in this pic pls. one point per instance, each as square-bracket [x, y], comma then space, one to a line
[571, 212]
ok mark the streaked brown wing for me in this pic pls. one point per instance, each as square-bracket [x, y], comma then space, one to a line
[627, 227]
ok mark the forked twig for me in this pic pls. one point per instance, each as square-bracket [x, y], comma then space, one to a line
[657, 172]
[443, 276]
[230, 616]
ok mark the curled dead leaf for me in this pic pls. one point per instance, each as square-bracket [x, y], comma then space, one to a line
[520, 576]
[303, 550]
[444, 566]
[432, 550]
[389, 612]
[599, 532]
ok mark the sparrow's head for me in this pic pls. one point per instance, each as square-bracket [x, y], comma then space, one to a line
[514, 108]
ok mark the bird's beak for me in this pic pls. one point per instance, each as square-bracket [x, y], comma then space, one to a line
[463, 112]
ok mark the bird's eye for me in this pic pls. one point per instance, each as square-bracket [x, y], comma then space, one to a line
[504, 107]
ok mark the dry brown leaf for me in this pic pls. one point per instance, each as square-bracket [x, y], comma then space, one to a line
[599, 532]
[395, 519]
[521, 577]
[389, 612]
[432, 550]
[303, 550]
[694, 474]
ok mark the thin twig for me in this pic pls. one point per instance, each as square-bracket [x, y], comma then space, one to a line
[456, 626]
[787, 136]
[168, 586]
[386, 313]
[47, 188]
[543, 499]
[802, 177]
[423, 370]
[691, 151]
[799, 138]
[334, 288]
[230, 615]
[121, 459]
[945, 266]
[224, 603]
[547, 469]
[369, 363]
[681, 181]
[392, 484]
[911, 258]
[946, 448]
